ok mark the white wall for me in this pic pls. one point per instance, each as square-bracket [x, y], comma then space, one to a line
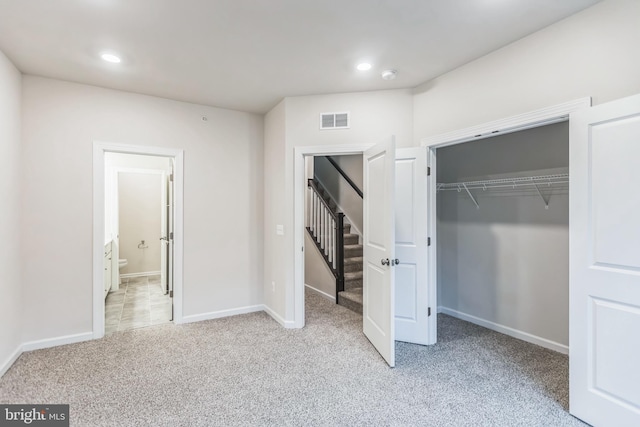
[140, 209]
[317, 274]
[274, 209]
[113, 161]
[223, 206]
[375, 116]
[11, 292]
[508, 261]
[592, 53]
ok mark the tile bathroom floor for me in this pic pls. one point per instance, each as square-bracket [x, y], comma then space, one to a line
[138, 303]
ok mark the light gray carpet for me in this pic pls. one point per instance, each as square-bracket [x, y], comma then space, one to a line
[247, 370]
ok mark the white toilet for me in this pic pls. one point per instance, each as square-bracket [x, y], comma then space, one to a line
[122, 262]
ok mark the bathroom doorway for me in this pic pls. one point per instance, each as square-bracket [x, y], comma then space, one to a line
[138, 235]
[139, 274]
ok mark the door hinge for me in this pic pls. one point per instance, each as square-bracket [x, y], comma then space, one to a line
[429, 312]
[171, 236]
[302, 249]
[428, 170]
[171, 295]
[428, 241]
[171, 177]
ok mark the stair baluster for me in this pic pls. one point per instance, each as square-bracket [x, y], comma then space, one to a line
[326, 227]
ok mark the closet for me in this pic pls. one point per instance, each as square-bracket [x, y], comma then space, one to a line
[503, 233]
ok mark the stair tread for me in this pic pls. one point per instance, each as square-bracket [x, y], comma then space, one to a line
[352, 246]
[354, 259]
[354, 295]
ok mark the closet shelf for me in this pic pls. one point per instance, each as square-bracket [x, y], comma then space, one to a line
[515, 182]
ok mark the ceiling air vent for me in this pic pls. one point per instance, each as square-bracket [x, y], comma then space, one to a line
[334, 121]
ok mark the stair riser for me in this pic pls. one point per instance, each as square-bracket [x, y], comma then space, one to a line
[352, 284]
[350, 239]
[349, 267]
[351, 305]
[353, 252]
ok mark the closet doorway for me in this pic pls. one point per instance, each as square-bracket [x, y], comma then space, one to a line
[503, 233]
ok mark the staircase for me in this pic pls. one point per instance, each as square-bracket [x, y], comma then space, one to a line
[351, 297]
[337, 245]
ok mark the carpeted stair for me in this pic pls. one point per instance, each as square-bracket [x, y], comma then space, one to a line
[351, 297]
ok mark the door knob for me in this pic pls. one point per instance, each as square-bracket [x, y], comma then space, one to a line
[395, 261]
[385, 261]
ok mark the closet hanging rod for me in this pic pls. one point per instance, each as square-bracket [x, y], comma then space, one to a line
[505, 182]
[535, 181]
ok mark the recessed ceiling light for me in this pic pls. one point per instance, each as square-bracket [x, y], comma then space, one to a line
[389, 74]
[109, 57]
[365, 66]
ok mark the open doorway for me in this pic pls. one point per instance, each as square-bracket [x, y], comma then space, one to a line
[150, 182]
[138, 234]
[333, 224]
[394, 180]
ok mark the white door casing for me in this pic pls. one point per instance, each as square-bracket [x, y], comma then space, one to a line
[604, 232]
[412, 303]
[379, 245]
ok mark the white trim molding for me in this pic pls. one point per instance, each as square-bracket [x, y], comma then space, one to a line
[54, 342]
[222, 313]
[142, 274]
[541, 117]
[515, 333]
[7, 364]
[287, 324]
[321, 293]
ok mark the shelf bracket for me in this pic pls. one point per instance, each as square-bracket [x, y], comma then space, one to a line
[546, 202]
[471, 195]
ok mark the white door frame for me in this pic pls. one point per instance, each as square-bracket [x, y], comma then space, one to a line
[545, 116]
[298, 216]
[99, 150]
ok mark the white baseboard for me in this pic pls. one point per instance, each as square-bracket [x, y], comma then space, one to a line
[221, 313]
[54, 342]
[515, 333]
[144, 273]
[321, 293]
[287, 324]
[10, 361]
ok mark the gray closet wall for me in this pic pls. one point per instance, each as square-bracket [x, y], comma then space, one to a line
[508, 261]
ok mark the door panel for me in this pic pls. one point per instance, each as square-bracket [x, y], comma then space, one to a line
[411, 308]
[379, 241]
[605, 264]
[164, 234]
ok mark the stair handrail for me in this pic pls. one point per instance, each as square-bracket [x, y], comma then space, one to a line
[338, 217]
[345, 176]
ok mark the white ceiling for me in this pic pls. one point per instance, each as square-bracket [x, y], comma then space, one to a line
[249, 54]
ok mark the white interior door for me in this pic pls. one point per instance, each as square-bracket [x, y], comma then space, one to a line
[164, 233]
[604, 226]
[379, 243]
[170, 224]
[411, 305]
